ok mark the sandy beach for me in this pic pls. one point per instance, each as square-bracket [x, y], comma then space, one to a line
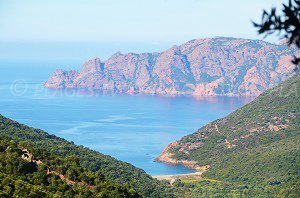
[172, 178]
[177, 176]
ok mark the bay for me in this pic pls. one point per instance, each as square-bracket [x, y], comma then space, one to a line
[131, 128]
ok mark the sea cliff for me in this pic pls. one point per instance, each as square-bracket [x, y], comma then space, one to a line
[210, 66]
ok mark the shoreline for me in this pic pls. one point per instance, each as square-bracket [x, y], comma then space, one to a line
[166, 157]
[172, 178]
[177, 176]
[142, 93]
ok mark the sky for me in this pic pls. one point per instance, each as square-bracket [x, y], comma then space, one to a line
[81, 29]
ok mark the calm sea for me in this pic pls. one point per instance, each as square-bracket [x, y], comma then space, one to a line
[132, 128]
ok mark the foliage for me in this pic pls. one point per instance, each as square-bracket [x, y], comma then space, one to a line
[289, 23]
[25, 178]
[78, 163]
[264, 137]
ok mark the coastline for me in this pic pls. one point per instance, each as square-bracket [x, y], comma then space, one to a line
[166, 157]
[172, 178]
[93, 91]
[176, 176]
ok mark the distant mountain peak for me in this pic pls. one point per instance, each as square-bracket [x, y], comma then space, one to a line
[92, 66]
[209, 66]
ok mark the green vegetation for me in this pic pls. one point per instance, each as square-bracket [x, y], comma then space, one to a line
[255, 149]
[287, 23]
[20, 177]
[107, 176]
[252, 152]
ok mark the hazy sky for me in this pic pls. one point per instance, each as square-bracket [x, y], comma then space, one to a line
[90, 28]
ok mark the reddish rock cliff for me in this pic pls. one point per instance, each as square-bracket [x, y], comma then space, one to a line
[212, 66]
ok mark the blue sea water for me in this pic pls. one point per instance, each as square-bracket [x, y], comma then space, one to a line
[132, 128]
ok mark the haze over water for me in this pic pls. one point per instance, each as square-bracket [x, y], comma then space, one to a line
[132, 128]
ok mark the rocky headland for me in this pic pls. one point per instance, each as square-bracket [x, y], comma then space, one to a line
[210, 66]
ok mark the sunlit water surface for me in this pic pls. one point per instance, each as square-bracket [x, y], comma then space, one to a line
[132, 128]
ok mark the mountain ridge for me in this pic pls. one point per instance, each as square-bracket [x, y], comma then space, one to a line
[210, 66]
[255, 146]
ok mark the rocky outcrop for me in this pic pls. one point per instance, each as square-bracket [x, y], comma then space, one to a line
[166, 157]
[211, 66]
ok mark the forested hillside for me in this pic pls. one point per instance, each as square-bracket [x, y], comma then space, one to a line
[43, 174]
[78, 164]
[256, 148]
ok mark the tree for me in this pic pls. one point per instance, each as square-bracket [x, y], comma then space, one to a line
[288, 23]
